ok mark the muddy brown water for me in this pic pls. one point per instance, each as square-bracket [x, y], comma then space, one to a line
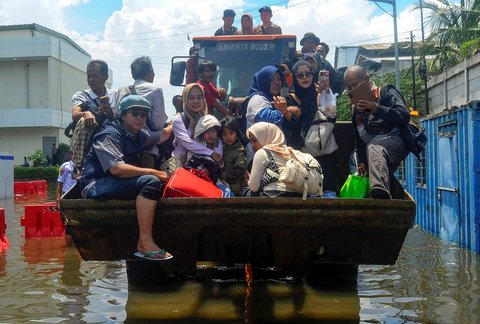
[43, 280]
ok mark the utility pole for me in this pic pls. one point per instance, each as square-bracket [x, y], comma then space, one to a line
[395, 42]
[414, 86]
[423, 63]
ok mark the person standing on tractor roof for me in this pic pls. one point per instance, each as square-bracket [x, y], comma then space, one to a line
[247, 25]
[227, 28]
[267, 27]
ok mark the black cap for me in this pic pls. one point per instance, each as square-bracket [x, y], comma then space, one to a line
[266, 9]
[229, 13]
[310, 35]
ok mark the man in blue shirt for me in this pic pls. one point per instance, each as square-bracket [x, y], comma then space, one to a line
[112, 170]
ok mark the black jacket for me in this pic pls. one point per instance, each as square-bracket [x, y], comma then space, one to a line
[392, 112]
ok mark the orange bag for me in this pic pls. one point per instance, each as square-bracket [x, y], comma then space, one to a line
[183, 183]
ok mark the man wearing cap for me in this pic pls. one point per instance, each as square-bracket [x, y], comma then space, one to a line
[266, 27]
[112, 170]
[227, 28]
[309, 42]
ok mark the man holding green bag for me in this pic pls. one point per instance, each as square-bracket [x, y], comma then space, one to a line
[378, 115]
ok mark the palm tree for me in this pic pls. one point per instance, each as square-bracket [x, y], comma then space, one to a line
[452, 27]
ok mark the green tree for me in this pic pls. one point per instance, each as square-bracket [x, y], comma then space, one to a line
[452, 25]
[344, 109]
[38, 158]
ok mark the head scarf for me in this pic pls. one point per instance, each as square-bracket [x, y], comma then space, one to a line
[261, 81]
[193, 117]
[270, 137]
[308, 98]
[249, 29]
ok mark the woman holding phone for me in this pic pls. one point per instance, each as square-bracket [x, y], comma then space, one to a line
[313, 120]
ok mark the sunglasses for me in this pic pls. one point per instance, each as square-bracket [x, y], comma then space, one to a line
[138, 113]
[350, 91]
[305, 75]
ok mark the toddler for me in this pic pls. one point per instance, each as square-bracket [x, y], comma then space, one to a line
[234, 155]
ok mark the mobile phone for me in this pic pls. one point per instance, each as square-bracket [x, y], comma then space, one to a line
[279, 66]
[363, 91]
[323, 77]
[104, 100]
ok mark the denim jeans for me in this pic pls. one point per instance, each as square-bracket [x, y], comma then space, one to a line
[147, 186]
[329, 194]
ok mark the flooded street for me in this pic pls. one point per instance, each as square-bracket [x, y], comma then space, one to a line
[43, 280]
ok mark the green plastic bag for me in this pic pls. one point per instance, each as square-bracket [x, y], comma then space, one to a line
[355, 187]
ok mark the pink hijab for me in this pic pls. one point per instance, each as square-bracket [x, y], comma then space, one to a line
[270, 137]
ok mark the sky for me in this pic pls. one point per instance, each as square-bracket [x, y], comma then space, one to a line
[119, 31]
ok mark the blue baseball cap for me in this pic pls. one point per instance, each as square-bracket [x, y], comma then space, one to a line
[134, 101]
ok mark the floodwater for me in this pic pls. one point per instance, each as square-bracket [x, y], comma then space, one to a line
[43, 280]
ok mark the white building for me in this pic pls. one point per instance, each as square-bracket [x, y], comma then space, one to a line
[40, 69]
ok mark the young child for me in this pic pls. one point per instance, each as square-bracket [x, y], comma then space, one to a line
[207, 133]
[234, 155]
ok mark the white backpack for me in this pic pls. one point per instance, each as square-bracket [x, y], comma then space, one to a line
[303, 174]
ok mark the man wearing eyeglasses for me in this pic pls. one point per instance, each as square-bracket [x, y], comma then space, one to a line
[378, 115]
[112, 169]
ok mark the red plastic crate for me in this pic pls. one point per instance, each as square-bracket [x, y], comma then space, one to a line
[4, 244]
[40, 186]
[42, 221]
[34, 187]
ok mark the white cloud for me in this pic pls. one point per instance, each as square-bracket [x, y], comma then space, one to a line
[48, 13]
[159, 29]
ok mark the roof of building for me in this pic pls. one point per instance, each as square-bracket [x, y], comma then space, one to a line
[42, 29]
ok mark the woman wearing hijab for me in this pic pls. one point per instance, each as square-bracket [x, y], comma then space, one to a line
[306, 94]
[271, 154]
[194, 107]
[247, 25]
[264, 102]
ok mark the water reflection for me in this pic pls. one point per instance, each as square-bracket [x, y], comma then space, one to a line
[433, 281]
[264, 301]
[42, 279]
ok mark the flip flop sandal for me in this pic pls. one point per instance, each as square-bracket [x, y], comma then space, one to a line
[159, 255]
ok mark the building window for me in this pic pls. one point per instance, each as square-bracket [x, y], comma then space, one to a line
[421, 171]
[401, 174]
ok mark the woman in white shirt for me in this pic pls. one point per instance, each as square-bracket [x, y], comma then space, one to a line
[271, 154]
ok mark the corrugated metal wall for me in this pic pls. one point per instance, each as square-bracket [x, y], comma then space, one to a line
[446, 187]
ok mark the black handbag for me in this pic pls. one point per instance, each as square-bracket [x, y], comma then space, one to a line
[198, 161]
[414, 138]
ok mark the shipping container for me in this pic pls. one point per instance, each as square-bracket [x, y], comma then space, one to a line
[445, 183]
